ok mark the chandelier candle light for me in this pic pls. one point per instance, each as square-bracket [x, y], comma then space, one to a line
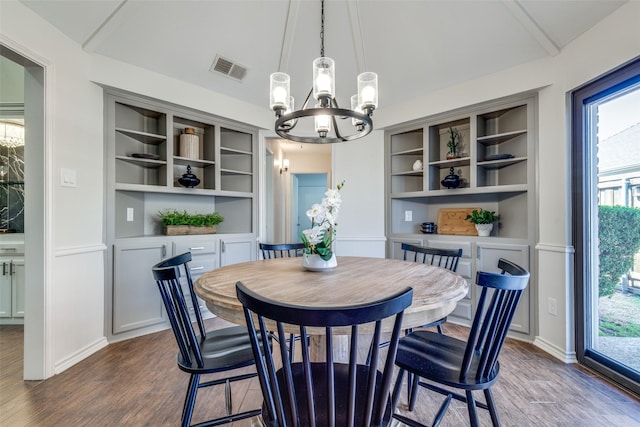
[326, 111]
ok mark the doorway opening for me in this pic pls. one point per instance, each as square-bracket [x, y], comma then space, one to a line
[29, 84]
[606, 202]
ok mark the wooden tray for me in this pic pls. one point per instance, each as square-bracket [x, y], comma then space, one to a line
[452, 221]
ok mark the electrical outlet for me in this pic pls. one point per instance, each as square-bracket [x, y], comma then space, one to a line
[129, 214]
[408, 215]
[552, 306]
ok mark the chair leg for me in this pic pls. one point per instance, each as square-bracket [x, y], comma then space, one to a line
[409, 386]
[190, 400]
[413, 392]
[473, 413]
[492, 407]
[292, 348]
[227, 397]
[395, 396]
[442, 411]
[440, 330]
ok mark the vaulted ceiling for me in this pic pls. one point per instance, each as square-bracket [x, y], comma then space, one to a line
[415, 46]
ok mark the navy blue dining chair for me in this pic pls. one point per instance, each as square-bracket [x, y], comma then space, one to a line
[445, 258]
[205, 352]
[284, 250]
[448, 364]
[281, 250]
[329, 393]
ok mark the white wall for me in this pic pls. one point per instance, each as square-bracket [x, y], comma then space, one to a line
[612, 42]
[360, 164]
[73, 292]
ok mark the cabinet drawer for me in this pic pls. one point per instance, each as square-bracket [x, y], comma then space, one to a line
[201, 264]
[10, 249]
[196, 247]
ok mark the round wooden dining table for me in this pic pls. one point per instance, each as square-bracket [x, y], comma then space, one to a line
[356, 280]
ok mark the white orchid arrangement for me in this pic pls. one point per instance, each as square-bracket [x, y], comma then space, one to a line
[319, 238]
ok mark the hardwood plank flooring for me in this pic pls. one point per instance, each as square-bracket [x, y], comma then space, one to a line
[137, 383]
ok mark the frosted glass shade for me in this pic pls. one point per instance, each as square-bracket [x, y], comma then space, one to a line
[322, 124]
[355, 106]
[368, 90]
[290, 108]
[324, 82]
[279, 91]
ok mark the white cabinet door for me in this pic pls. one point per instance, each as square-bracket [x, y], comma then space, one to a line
[18, 296]
[136, 298]
[488, 255]
[5, 287]
[236, 250]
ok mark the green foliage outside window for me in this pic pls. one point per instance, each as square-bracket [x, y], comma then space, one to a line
[619, 233]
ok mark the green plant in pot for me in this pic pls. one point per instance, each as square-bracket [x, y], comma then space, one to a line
[181, 222]
[483, 221]
[454, 144]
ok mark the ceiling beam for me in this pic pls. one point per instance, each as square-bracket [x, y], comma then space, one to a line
[289, 34]
[111, 24]
[520, 13]
[356, 36]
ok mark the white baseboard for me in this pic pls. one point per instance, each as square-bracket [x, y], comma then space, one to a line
[82, 354]
[555, 351]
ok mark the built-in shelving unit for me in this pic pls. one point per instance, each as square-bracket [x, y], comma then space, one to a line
[144, 165]
[496, 165]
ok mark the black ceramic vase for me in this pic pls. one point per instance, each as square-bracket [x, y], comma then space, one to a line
[452, 180]
[189, 180]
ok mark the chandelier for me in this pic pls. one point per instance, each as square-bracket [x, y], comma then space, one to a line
[325, 112]
[11, 134]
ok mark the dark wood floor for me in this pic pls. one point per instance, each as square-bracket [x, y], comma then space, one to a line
[137, 383]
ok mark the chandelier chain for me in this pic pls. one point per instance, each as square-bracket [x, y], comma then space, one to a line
[322, 28]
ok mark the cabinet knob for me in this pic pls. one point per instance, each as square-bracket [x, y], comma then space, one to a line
[196, 268]
[197, 248]
[4, 268]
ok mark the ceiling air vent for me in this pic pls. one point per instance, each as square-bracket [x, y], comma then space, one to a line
[228, 68]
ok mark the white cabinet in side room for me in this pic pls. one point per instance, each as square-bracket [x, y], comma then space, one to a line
[18, 288]
[488, 255]
[12, 290]
[5, 289]
[136, 300]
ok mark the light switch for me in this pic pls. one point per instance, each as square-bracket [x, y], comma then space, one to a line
[408, 215]
[68, 178]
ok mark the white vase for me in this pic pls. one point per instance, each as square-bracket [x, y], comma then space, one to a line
[484, 229]
[313, 262]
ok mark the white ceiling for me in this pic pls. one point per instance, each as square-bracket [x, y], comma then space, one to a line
[415, 46]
